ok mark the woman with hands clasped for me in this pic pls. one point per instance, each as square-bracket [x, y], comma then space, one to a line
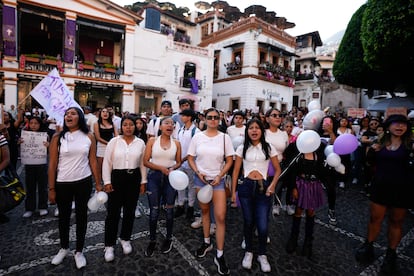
[124, 176]
[255, 193]
[210, 156]
[72, 161]
[162, 155]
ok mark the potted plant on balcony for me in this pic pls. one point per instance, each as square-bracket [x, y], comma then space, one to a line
[50, 60]
[87, 65]
[34, 58]
[109, 68]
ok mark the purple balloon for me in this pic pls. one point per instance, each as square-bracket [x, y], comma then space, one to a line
[345, 144]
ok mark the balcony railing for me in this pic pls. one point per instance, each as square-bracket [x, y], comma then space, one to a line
[304, 76]
[233, 68]
[40, 63]
[98, 71]
[179, 37]
[276, 72]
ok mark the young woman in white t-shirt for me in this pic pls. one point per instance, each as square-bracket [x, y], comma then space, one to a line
[210, 155]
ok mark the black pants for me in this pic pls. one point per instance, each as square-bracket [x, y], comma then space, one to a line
[126, 186]
[66, 192]
[36, 180]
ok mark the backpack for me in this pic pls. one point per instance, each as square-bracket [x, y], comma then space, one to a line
[192, 131]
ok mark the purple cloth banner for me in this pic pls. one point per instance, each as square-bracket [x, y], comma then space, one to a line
[70, 34]
[9, 31]
[194, 85]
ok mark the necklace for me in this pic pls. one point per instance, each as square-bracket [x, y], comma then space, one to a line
[394, 147]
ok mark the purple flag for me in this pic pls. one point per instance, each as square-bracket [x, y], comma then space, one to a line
[70, 34]
[194, 85]
[9, 31]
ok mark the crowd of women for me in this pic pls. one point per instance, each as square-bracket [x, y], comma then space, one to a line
[124, 162]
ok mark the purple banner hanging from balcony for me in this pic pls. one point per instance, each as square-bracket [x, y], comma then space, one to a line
[70, 34]
[194, 85]
[9, 31]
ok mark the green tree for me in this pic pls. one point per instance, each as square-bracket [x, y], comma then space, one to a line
[375, 50]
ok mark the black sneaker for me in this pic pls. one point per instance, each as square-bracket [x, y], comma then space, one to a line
[202, 251]
[389, 265]
[166, 246]
[190, 213]
[222, 268]
[150, 249]
[179, 211]
[365, 253]
[332, 216]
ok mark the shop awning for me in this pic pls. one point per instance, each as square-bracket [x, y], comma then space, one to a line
[149, 88]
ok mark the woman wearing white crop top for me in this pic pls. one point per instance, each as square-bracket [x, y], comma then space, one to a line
[210, 155]
[255, 193]
[162, 155]
[72, 162]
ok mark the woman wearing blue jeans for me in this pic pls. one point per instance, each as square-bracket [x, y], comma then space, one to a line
[255, 191]
[162, 155]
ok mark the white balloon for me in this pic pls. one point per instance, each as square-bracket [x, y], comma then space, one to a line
[340, 168]
[313, 119]
[93, 204]
[308, 141]
[101, 197]
[237, 141]
[178, 180]
[333, 159]
[205, 194]
[328, 150]
[314, 105]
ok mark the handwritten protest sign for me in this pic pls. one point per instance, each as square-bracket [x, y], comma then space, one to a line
[32, 150]
[53, 94]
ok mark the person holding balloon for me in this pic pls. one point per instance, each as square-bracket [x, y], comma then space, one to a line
[72, 162]
[307, 169]
[210, 155]
[391, 190]
[162, 156]
[255, 193]
[124, 176]
[345, 128]
[280, 140]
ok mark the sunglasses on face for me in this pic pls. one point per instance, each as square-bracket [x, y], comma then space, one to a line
[213, 117]
[276, 115]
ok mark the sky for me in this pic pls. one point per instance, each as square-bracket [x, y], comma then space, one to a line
[325, 16]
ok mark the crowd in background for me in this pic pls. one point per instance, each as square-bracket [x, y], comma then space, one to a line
[168, 139]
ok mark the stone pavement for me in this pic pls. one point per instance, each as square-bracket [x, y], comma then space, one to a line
[28, 245]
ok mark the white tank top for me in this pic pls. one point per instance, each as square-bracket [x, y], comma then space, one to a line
[160, 156]
[73, 161]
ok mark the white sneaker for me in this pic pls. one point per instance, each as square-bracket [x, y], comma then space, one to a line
[56, 212]
[212, 229]
[80, 260]
[58, 259]
[276, 210]
[137, 212]
[243, 244]
[290, 209]
[341, 185]
[43, 212]
[109, 254]
[27, 214]
[247, 260]
[264, 263]
[198, 222]
[126, 246]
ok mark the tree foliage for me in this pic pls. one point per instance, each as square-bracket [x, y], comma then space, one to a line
[375, 50]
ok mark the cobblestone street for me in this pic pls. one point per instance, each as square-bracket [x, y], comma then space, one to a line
[28, 245]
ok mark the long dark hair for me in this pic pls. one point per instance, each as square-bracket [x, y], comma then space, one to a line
[81, 122]
[42, 125]
[132, 119]
[405, 138]
[109, 118]
[143, 132]
[248, 141]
